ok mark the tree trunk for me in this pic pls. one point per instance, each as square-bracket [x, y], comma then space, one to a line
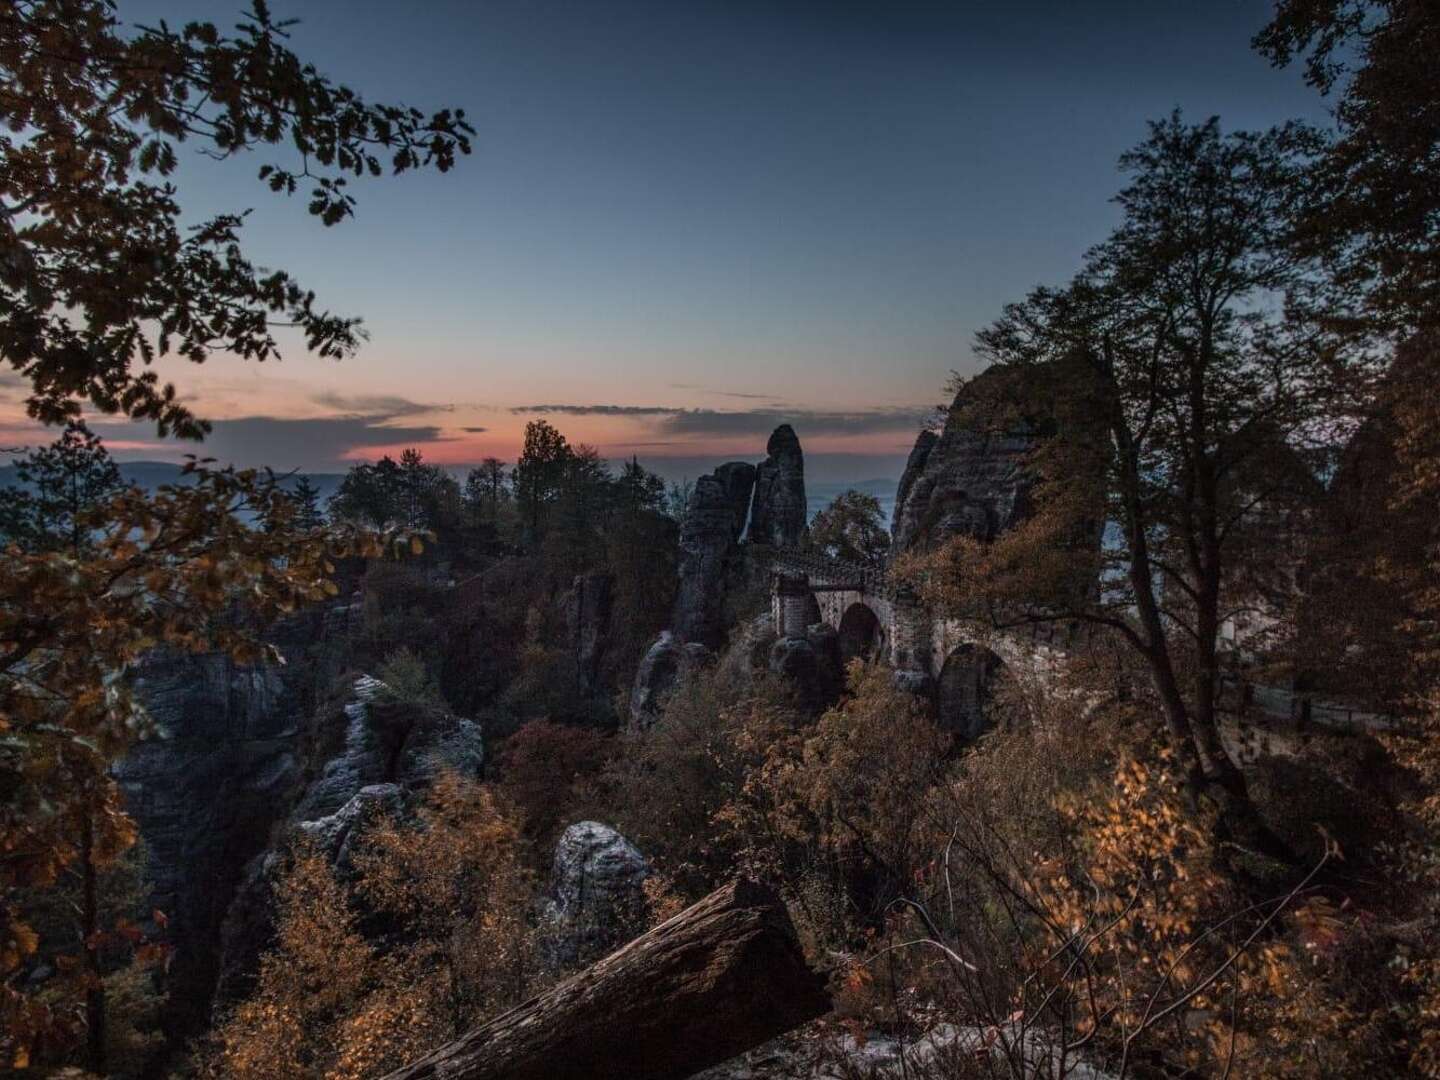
[722, 976]
[90, 950]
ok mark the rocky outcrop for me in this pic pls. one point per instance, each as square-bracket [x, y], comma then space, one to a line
[962, 482]
[206, 792]
[813, 664]
[587, 616]
[709, 552]
[332, 834]
[749, 648]
[389, 750]
[660, 670]
[596, 892]
[914, 469]
[738, 480]
[779, 512]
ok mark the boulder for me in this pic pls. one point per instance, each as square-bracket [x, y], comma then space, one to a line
[779, 513]
[749, 648]
[597, 896]
[659, 672]
[813, 663]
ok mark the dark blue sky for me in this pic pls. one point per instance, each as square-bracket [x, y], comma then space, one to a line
[725, 206]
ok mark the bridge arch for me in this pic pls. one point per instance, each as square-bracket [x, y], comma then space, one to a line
[862, 635]
[965, 692]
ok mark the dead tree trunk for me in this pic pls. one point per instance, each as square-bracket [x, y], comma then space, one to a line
[722, 976]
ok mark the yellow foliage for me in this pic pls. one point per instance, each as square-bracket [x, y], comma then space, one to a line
[331, 1005]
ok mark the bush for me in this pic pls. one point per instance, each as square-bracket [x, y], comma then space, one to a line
[550, 772]
[409, 682]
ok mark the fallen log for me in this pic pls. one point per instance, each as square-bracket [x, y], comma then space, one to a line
[722, 976]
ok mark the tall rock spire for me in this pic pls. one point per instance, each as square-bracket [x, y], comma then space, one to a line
[779, 515]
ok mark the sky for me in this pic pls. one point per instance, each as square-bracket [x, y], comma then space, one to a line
[686, 221]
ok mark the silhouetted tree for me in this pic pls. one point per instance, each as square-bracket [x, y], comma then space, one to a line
[852, 527]
[1185, 407]
[486, 484]
[1375, 205]
[638, 489]
[308, 514]
[540, 473]
[410, 493]
[67, 483]
[100, 276]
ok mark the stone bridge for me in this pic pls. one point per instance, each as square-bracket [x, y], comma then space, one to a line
[959, 664]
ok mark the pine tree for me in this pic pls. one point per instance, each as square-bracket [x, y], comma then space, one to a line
[66, 485]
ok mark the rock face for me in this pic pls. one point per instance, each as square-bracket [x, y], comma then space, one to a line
[596, 892]
[660, 669]
[813, 663]
[778, 515]
[914, 469]
[961, 482]
[587, 614]
[738, 480]
[206, 794]
[709, 552]
[390, 750]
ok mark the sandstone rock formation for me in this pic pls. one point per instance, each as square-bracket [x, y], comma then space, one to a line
[390, 750]
[660, 669]
[962, 481]
[596, 892]
[813, 663]
[587, 615]
[779, 513]
[914, 468]
[207, 792]
[709, 552]
[738, 480]
[332, 834]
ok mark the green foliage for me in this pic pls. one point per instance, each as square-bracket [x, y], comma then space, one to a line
[853, 528]
[408, 681]
[100, 276]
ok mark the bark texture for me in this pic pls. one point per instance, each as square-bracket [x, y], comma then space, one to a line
[722, 976]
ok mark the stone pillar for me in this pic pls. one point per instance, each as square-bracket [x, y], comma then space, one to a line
[910, 636]
[790, 603]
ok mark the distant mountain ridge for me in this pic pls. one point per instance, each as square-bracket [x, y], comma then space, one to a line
[151, 474]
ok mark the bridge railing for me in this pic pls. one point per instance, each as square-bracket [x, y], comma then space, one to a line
[829, 570]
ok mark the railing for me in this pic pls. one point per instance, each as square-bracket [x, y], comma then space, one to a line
[867, 579]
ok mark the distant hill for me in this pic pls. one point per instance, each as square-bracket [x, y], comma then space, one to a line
[151, 474]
